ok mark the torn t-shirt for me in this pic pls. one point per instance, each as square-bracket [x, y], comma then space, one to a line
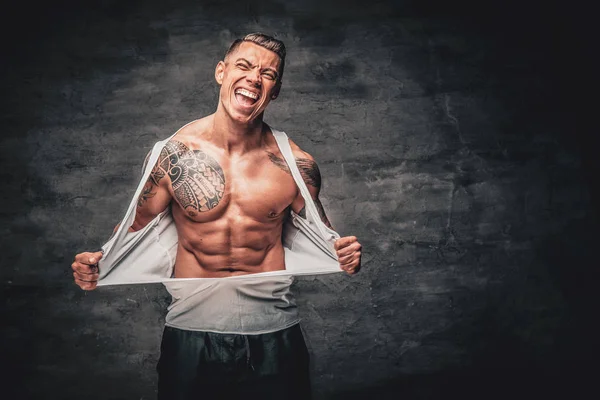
[249, 304]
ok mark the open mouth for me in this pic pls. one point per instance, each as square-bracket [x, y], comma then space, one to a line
[245, 97]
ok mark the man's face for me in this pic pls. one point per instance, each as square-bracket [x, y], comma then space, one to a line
[249, 80]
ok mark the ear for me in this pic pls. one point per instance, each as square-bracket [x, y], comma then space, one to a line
[219, 71]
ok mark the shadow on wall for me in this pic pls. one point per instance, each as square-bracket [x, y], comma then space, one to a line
[492, 384]
[61, 65]
[520, 346]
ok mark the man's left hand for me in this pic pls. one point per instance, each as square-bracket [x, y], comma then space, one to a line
[349, 252]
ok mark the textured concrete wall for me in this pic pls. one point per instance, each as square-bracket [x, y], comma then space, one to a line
[447, 145]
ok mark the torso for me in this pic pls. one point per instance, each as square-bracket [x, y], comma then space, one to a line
[228, 210]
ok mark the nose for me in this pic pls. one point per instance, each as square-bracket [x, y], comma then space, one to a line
[253, 77]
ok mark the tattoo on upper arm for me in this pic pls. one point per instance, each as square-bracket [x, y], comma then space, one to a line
[311, 176]
[147, 193]
[157, 173]
[197, 179]
[149, 189]
[308, 169]
[321, 212]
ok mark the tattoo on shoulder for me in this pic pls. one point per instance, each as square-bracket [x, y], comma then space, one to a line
[308, 169]
[198, 180]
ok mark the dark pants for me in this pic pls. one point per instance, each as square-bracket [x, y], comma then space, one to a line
[206, 365]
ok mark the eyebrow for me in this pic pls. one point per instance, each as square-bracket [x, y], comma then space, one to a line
[250, 64]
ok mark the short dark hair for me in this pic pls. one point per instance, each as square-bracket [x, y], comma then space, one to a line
[266, 41]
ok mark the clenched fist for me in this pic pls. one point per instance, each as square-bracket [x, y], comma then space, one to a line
[85, 269]
[349, 252]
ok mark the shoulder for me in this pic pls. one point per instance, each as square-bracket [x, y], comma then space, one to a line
[174, 146]
[194, 128]
[193, 132]
[191, 136]
[300, 154]
[296, 150]
[304, 159]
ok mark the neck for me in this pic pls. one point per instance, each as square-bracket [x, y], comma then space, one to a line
[236, 136]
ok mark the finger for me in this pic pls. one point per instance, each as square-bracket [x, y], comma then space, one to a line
[85, 277]
[343, 242]
[350, 258]
[346, 251]
[352, 271]
[352, 264]
[349, 271]
[84, 268]
[89, 258]
[85, 285]
[355, 261]
[346, 259]
[352, 268]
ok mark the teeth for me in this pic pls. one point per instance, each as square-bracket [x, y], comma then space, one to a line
[246, 93]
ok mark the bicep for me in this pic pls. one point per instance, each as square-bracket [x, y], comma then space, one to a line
[312, 177]
[153, 200]
[314, 192]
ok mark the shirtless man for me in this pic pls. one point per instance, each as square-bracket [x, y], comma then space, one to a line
[230, 192]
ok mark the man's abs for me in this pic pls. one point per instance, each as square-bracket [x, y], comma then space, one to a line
[224, 248]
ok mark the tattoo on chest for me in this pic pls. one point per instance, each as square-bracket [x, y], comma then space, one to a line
[197, 179]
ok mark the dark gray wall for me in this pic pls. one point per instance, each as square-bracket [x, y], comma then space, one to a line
[449, 142]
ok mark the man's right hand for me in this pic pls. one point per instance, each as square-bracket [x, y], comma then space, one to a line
[85, 269]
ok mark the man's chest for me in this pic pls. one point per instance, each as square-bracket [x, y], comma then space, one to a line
[206, 185]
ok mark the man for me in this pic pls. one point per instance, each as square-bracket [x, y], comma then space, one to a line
[230, 192]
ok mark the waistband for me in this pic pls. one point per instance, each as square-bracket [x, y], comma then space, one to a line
[233, 306]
